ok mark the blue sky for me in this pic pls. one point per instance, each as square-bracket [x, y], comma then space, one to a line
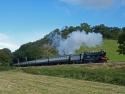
[22, 21]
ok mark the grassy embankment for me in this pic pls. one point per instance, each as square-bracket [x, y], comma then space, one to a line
[111, 47]
[106, 73]
[21, 83]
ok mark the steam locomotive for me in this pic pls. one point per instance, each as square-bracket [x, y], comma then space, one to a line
[86, 57]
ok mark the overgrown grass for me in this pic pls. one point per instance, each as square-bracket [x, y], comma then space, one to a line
[13, 82]
[106, 73]
[6, 68]
[111, 48]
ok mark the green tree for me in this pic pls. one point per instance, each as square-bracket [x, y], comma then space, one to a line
[67, 30]
[114, 32]
[104, 30]
[86, 27]
[107, 32]
[33, 50]
[121, 42]
[5, 57]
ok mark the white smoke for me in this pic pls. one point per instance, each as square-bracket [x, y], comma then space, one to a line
[75, 40]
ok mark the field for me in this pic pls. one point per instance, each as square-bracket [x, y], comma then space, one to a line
[107, 73]
[14, 82]
[111, 47]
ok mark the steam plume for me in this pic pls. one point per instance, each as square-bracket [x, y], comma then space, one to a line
[75, 40]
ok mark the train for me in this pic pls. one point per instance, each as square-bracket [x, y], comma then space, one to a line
[84, 58]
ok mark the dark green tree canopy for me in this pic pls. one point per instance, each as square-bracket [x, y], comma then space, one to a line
[121, 42]
[86, 27]
[5, 57]
[33, 50]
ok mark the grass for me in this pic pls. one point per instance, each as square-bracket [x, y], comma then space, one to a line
[6, 68]
[21, 83]
[111, 48]
[106, 73]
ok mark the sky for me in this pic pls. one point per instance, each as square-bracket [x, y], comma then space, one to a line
[23, 21]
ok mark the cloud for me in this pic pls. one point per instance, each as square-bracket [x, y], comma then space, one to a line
[5, 42]
[92, 4]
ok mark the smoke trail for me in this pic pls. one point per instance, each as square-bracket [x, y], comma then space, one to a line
[75, 41]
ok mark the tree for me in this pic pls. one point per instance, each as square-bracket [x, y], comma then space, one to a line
[104, 30]
[33, 50]
[121, 42]
[86, 27]
[67, 30]
[107, 32]
[114, 32]
[5, 57]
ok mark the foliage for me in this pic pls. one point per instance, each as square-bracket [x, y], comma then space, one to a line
[86, 27]
[5, 57]
[121, 42]
[107, 32]
[34, 50]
